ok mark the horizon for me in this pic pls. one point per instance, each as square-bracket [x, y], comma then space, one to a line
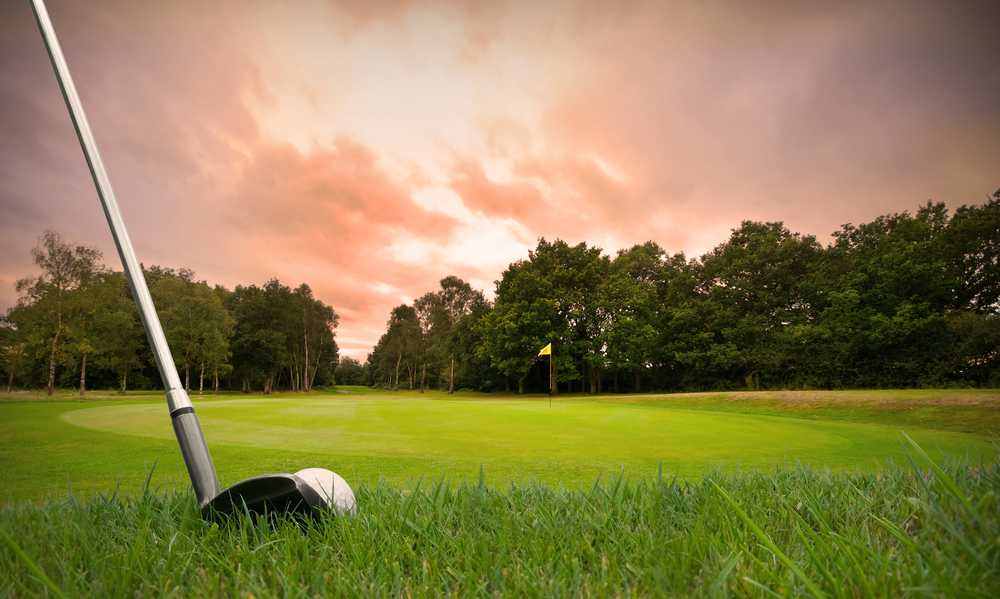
[369, 151]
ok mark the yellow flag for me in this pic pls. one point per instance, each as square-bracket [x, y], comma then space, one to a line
[546, 351]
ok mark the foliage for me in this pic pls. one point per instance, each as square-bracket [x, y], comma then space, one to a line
[432, 340]
[55, 300]
[281, 334]
[902, 301]
[77, 321]
[349, 372]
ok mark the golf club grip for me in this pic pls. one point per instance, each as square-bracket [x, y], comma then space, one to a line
[188, 429]
[198, 460]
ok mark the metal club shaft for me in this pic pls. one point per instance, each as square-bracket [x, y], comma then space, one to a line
[186, 425]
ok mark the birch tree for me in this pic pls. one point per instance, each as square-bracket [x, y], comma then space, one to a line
[65, 267]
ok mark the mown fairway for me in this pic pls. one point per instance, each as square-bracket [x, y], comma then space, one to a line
[364, 435]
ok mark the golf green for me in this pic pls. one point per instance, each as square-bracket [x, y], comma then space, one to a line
[570, 442]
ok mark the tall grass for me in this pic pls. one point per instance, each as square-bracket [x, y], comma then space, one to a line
[926, 529]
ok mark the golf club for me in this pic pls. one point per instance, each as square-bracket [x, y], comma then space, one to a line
[307, 493]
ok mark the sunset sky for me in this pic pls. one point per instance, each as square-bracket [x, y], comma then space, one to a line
[372, 148]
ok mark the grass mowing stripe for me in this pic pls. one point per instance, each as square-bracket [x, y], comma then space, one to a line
[766, 541]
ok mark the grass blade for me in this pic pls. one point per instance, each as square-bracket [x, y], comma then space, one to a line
[31, 565]
[768, 543]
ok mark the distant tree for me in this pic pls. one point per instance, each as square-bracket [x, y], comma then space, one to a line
[349, 372]
[438, 313]
[65, 268]
[886, 316]
[119, 339]
[629, 307]
[512, 335]
[758, 286]
[971, 252]
[197, 325]
[11, 349]
[551, 297]
[314, 334]
[403, 340]
[258, 343]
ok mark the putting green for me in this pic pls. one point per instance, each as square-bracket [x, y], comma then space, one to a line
[570, 442]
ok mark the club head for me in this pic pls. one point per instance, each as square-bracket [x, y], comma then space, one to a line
[308, 493]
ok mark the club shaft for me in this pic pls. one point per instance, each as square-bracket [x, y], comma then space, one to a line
[186, 425]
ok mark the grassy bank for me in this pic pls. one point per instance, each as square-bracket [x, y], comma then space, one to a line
[957, 410]
[792, 532]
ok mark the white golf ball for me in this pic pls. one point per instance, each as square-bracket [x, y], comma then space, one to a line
[331, 487]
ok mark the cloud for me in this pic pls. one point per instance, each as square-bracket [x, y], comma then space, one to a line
[370, 149]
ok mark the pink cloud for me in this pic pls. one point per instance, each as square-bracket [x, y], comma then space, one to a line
[606, 122]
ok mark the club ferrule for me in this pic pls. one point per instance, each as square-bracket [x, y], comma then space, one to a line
[177, 399]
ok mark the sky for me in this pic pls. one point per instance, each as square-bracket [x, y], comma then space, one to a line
[369, 149]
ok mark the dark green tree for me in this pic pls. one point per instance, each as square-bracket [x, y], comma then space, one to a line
[551, 297]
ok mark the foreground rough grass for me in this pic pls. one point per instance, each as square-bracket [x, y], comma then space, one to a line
[920, 530]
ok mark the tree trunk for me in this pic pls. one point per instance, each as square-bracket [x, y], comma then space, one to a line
[520, 384]
[52, 359]
[423, 376]
[319, 356]
[506, 384]
[215, 381]
[201, 379]
[451, 385]
[594, 373]
[83, 375]
[124, 381]
[555, 383]
[187, 375]
[395, 386]
[305, 343]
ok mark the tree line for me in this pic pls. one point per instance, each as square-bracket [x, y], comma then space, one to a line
[76, 325]
[903, 301]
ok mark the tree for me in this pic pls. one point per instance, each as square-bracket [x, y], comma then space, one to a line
[551, 297]
[11, 349]
[349, 372]
[403, 339]
[886, 314]
[314, 334]
[195, 321]
[758, 286]
[258, 343]
[118, 336]
[628, 307]
[971, 251]
[65, 267]
[438, 313]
